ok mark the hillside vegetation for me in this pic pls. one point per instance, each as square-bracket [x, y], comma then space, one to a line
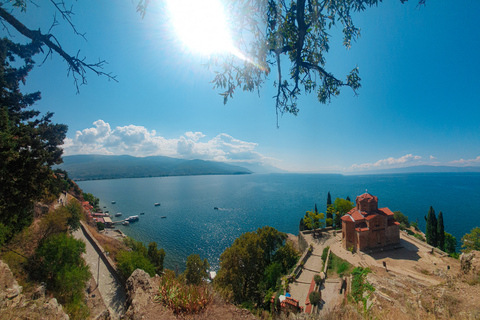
[95, 167]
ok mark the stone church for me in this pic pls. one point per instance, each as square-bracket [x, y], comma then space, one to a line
[367, 227]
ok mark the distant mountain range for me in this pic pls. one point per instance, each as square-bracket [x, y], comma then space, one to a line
[95, 167]
[423, 169]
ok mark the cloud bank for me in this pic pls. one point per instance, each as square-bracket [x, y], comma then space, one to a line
[406, 160]
[139, 141]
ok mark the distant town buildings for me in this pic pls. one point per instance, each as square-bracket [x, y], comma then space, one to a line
[367, 227]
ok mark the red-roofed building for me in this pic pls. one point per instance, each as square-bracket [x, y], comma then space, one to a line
[367, 227]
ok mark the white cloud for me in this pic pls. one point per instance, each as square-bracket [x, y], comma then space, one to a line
[463, 162]
[139, 141]
[389, 162]
[433, 158]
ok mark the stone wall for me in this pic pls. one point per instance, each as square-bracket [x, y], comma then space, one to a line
[101, 252]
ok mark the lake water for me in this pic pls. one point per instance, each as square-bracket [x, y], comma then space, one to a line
[247, 202]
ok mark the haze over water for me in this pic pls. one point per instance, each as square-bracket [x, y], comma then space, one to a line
[248, 202]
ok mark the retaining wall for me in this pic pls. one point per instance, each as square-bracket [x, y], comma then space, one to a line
[101, 252]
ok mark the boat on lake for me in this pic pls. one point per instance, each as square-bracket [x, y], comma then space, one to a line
[132, 219]
[113, 202]
[126, 223]
[215, 208]
[118, 214]
[163, 217]
[142, 212]
[157, 204]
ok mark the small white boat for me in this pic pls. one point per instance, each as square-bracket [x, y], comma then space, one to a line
[132, 218]
[157, 204]
[126, 223]
[113, 202]
[118, 214]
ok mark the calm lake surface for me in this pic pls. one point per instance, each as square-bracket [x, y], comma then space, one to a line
[248, 202]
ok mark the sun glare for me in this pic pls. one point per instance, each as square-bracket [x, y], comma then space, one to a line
[201, 25]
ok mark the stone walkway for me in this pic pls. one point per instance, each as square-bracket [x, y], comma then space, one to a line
[112, 291]
[299, 289]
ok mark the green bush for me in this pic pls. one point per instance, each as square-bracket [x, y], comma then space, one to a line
[100, 226]
[196, 269]
[314, 297]
[65, 272]
[317, 279]
[128, 262]
[419, 237]
[325, 254]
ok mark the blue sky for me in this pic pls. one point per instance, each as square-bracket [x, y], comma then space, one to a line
[418, 103]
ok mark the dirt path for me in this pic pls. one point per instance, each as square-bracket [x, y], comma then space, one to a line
[112, 292]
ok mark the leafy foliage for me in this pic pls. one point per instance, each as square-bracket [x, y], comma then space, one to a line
[471, 241]
[314, 297]
[450, 243]
[196, 269]
[341, 207]
[129, 261]
[361, 288]
[65, 271]
[28, 143]
[150, 260]
[156, 257]
[313, 219]
[243, 265]
[402, 219]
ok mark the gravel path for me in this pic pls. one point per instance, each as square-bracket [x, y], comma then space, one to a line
[112, 292]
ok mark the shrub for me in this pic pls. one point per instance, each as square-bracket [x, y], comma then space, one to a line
[100, 226]
[197, 269]
[128, 262]
[317, 279]
[325, 254]
[314, 297]
[65, 271]
[419, 237]
[180, 297]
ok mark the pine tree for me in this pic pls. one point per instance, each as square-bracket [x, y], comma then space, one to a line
[29, 143]
[431, 230]
[440, 232]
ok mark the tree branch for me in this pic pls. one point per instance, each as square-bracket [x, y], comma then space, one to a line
[76, 65]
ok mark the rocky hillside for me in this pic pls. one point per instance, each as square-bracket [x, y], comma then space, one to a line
[15, 305]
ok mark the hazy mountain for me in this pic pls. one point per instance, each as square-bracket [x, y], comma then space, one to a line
[94, 167]
[423, 169]
[260, 168]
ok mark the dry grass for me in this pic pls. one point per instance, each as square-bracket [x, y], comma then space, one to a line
[113, 246]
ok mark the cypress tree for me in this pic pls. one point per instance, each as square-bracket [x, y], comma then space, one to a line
[440, 232]
[348, 198]
[301, 227]
[431, 230]
[329, 199]
[316, 210]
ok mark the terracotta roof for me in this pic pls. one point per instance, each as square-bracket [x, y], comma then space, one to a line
[347, 217]
[361, 229]
[393, 222]
[356, 215]
[371, 216]
[386, 211]
[367, 196]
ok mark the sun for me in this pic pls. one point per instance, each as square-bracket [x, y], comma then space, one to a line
[201, 25]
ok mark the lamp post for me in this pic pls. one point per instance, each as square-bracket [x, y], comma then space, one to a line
[98, 266]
